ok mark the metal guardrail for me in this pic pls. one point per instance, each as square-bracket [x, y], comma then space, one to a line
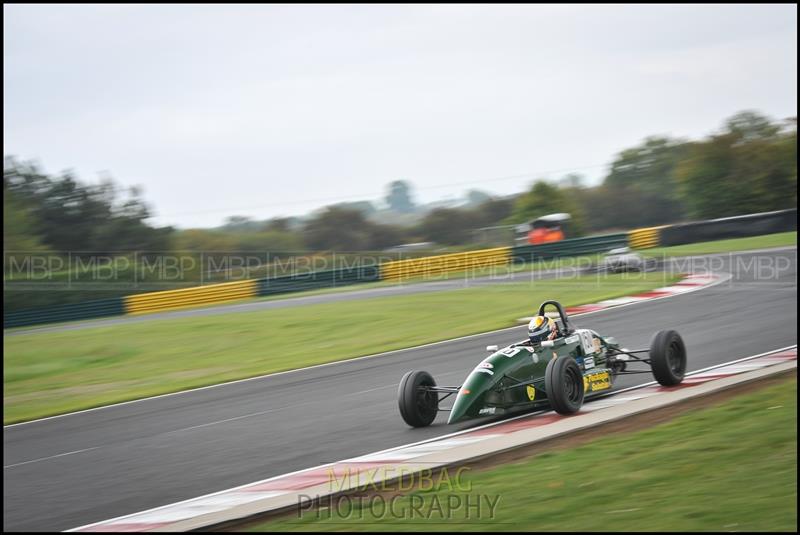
[742, 226]
[318, 280]
[436, 265]
[162, 301]
[187, 297]
[730, 227]
[69, 312]
[572, 247]
[643, 238]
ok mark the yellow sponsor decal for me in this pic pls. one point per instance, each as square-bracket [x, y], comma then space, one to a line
[596, 381]
[531, 392]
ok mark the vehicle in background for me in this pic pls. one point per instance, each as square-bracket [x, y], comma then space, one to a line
[411, 247]
[622, 260]
[546, 229]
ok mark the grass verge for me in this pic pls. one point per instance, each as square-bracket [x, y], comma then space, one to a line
[781, 239]
[52, 373]
[730, 467]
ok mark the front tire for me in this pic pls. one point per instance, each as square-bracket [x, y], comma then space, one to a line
[563, 382]
[668, 357]
[418, 406]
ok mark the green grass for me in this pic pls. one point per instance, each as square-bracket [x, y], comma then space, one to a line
[767, 241]
[51, 373]
[731, 467]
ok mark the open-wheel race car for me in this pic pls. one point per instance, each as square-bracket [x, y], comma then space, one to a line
[561, 371]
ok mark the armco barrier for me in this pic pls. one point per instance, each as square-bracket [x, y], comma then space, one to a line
[318, 279]
[642, 238]
[730, 227]
[572, 247]
[436, 265]
[185, 297]
[69, 312]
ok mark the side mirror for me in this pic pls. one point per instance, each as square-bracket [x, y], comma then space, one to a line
[548, 343]
[491, 348]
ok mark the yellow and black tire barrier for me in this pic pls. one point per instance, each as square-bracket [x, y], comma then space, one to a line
[188, 297]
[644, 238]
[437, 265]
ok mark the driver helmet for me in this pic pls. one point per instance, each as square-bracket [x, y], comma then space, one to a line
[541, 328]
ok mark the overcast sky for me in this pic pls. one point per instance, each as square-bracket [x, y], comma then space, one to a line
[276, 110]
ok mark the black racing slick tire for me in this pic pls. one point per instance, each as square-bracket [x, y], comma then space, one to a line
[668, 357]
[418, 405]
[563, 383]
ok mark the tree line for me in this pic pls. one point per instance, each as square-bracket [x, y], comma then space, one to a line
[749, 165]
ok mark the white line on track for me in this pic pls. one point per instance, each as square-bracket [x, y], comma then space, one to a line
[723, 277]
[232, 419]
[371, 389]
[394, 385]
[50, 457]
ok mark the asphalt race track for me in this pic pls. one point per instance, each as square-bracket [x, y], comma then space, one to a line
[69, 471]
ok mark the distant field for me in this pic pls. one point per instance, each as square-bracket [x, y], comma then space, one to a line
[584, 261]
[767, 241]
[731, 467]
[51, 373]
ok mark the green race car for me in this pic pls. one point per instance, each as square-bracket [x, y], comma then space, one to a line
[559, 367]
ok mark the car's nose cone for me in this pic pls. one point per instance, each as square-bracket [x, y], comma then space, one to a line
[469, 401]
[461, 406]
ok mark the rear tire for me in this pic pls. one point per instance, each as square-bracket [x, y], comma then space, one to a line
[668, 357]
[418, 407]
[563, 382]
